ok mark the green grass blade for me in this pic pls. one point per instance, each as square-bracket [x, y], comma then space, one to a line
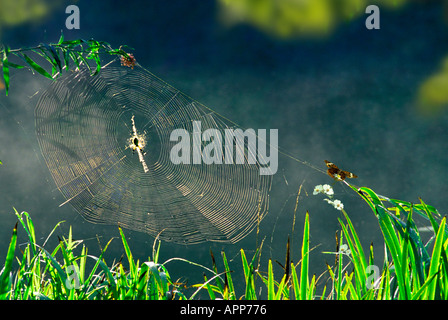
[420, 293]
[393, 244]
[271, 290]
[157, 284]
[210, 291]
[56, 60]
[110, 277]
[359, 260]
[404, 255]
[55, 264]
[75, 58]
[295, 282]
[156, 249]
[348, 288]
[228, 277]
[27, 224]
[340, 270]
[219, 281]
[430, 216]
[304, 282]
[207, 283]
[132, 266]
[36, 67]
[281, 289]
[435, 260]
[249, 277]
[311, 291]
[88, 282]
[5, 65]
[5, 279]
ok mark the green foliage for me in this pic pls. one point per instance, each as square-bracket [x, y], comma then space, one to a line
[59, 57]
[62, 274]
[410, 269]
[5, 281]
[292, 285]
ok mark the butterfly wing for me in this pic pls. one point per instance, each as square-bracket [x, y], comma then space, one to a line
[336, 173]
[332, 170]
[349, 174]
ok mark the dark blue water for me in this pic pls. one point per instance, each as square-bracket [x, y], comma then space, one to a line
[349, 98]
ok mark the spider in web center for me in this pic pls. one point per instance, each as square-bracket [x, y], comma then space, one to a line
[135, 144]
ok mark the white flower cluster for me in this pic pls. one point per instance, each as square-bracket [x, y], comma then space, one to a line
[344, 249]
[328, 190]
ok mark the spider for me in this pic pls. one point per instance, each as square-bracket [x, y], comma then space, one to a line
[138, 142]
[135, 145]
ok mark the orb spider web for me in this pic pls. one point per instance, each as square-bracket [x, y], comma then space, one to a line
[91, 130]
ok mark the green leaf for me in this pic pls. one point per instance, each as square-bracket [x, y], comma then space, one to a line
[36, 67]
[66, 55]
[312, 287]
[104, 267]
[160, 277]
[435, 260]
[6, 68]
[54, 53]
[228, 278]
[96, 58]
[5, 281]
[281, 288]
[219, 282]
[16, 66]
[304, 284]
[61, 273]
[71, 43]
[210, 291]
[404, 252]
[295, 282]
[74, 58]
[419, 294]
[61, 38]
[271, 291]
[358, 251]
[248, 275]
[132, 266]
[83, 60]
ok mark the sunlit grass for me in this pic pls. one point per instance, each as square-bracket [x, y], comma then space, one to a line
[411, 269]
[41, 275]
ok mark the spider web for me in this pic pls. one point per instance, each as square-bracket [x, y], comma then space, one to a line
[83, 126]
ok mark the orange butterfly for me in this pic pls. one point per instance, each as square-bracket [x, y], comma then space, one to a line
[336, 173]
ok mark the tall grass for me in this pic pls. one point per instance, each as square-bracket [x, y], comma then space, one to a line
[41, 276]
[411, 269]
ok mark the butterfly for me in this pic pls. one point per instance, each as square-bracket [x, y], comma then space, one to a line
[338, 174]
